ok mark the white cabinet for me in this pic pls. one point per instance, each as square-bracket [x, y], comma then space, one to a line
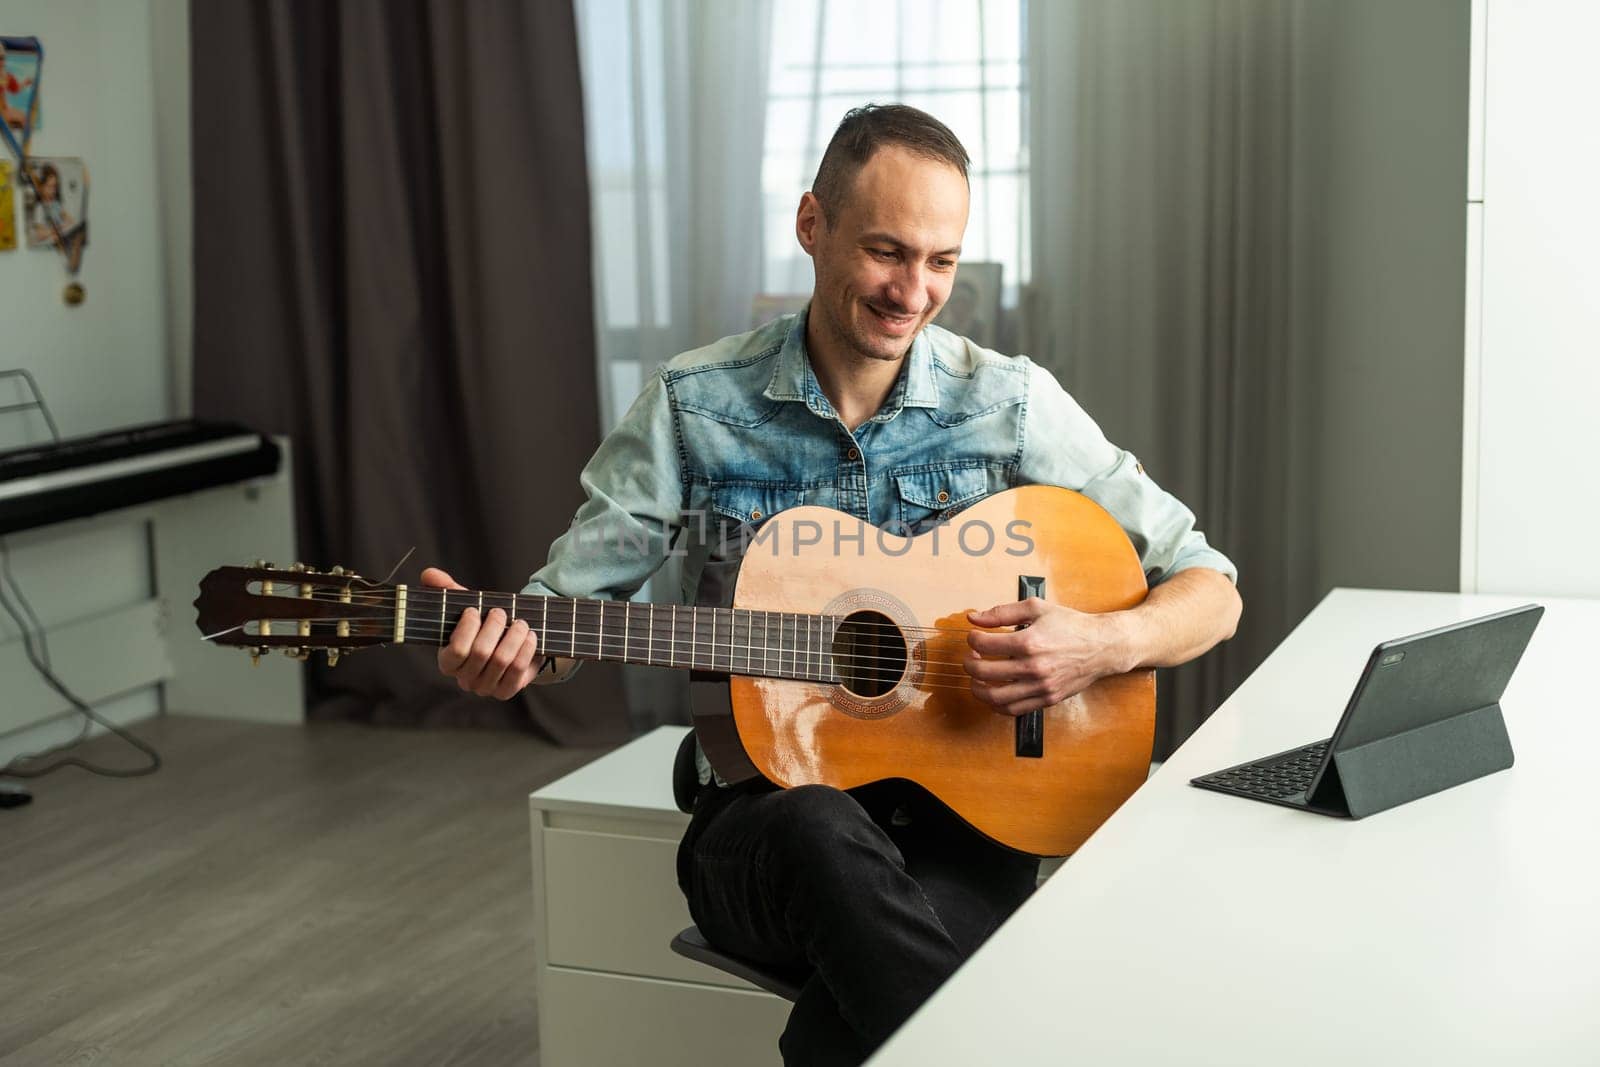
[606, 906]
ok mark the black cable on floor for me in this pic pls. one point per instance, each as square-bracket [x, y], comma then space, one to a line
[40, 658]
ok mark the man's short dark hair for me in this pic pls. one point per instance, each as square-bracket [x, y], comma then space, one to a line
[867, 129]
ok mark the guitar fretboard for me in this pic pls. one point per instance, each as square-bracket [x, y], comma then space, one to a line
[769, 644]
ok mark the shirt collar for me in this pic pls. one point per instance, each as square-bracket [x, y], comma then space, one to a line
[793, 379]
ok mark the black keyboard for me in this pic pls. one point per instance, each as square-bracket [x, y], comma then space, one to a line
[1279, 776]
[42, 484]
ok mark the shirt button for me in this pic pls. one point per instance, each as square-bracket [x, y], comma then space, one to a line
[944, 496]
[854, 453]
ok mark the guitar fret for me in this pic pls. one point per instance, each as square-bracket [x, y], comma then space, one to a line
[822, 675]
[828, 672]
[444, 596]
[627, 617]
[809, 669]
[818, 666]
[815, 623]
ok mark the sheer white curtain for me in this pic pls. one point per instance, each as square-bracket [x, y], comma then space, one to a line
[1173, 251]
[675, 114]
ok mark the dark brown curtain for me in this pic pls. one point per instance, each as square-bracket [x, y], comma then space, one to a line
[392, 267]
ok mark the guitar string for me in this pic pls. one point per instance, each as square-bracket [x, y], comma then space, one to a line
[381, 600]
[585, 603]
[429, 636]
[582, 607]
[674, 639]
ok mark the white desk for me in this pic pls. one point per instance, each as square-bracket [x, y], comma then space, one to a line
[1198, 928]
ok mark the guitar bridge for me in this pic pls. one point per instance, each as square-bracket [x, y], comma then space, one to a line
[1030, 727]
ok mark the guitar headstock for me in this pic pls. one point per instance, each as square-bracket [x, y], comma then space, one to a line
[259, 607]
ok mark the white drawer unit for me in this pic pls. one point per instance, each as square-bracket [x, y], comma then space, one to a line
[606, 906]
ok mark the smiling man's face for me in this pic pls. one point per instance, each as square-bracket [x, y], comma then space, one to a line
[886, 262]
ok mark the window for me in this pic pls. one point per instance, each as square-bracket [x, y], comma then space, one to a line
[959, 60]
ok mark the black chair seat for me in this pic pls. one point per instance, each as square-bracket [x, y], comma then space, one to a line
[691, 944]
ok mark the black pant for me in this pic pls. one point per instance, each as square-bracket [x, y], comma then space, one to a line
[881, 891]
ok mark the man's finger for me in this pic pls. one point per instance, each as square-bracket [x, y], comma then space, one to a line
[505, 654]
[1011, 613]
[997, 646]
[456, 651]
[434, 578]
[1004, 696]
[483, 646]
[502, 663]
[1023, 707]
[519, 674]
[994, 671]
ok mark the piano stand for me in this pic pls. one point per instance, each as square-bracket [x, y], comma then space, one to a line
[129, 575]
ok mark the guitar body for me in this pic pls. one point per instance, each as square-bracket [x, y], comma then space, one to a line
[910, 714]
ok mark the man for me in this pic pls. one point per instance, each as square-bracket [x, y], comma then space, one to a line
[860, 405]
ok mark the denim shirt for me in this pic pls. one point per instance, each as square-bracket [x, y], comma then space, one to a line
[729, 435]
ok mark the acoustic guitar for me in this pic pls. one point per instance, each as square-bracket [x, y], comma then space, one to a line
[839, 662]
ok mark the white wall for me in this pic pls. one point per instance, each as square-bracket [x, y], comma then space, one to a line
[1531, 495]
[109, 362]
[105, 363]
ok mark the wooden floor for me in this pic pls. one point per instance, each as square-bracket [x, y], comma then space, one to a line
[333, 894]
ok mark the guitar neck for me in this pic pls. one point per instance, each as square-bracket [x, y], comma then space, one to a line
[771, 644]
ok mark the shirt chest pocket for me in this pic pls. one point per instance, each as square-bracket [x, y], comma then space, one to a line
[930, 496]
[752, 505]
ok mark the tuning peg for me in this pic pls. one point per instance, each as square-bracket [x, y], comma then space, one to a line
[294, 652]
[333, 657]
[255, 656]
[337, 570]
[297, 568]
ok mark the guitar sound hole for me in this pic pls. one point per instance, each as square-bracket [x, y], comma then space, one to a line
[869, 652]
